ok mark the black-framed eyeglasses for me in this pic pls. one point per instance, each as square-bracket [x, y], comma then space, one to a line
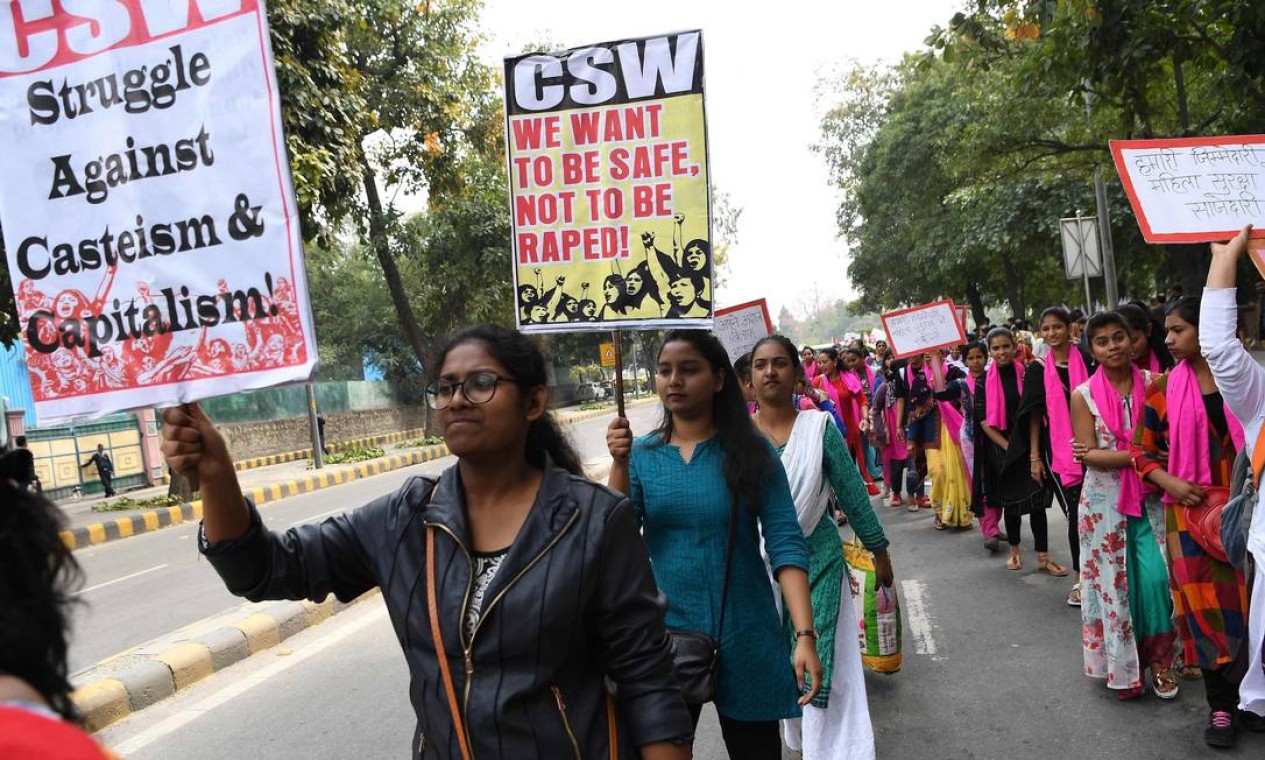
[478, 388]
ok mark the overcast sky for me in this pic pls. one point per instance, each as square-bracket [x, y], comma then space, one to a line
[762, 62]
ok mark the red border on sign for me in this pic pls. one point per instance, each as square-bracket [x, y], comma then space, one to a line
[934, 304]
[1117, 155]
[764, 309]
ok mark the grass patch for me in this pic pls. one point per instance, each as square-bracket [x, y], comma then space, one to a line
[353, 454]
[593, 406]
[430, 440]
[125, 503]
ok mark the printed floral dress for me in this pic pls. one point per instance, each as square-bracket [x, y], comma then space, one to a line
[1108, 633]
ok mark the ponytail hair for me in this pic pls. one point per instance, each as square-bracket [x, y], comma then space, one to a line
[517, 353]
[748, 458]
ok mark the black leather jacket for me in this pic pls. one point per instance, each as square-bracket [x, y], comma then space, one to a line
[573, 601]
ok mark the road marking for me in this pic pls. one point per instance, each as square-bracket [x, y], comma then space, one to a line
[920, 626]
[309, 518]
[120, 580]
[233, 691]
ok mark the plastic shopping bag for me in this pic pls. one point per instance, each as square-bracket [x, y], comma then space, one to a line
[878, 612]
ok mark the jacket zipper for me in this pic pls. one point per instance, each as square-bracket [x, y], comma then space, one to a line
[566, 723]
[469, 647]
[483, 614]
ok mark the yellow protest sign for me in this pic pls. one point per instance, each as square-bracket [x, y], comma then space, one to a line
[607, 154]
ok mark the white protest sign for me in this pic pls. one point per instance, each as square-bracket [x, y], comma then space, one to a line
[923, 328]
[740, 327]
[149, 218]
[1194, 189]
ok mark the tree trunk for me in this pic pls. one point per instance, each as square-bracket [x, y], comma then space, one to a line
[1183, 109]
[1014, 293]
[381, 244]
[977, 303]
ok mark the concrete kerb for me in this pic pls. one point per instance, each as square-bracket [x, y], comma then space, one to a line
[104, 700]
[106, 697]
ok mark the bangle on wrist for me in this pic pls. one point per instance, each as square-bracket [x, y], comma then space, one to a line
[806, 632]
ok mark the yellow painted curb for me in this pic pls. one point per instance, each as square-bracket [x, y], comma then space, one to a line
[102, 702]
[96, 533]
[124, 524]
[189, 663]
[151, 520]
[260, 630]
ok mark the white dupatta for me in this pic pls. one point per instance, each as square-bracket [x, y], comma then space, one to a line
[802, 457]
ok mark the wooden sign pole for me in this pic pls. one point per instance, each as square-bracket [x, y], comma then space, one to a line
[619, 372]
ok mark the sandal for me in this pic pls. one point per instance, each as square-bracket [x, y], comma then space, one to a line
[1190, 673]
[1074, 596]
[1047, 565]
[940, 523]
[1015, 562]
[1164, 684]
[1131, 693]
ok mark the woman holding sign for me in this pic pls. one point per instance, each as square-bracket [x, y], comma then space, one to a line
[508, 578]
[706, 487]
[1187, 444]
[836, 724]
[1241, 381]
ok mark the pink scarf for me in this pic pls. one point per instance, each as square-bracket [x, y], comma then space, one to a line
[1188, 456]
[1153, 362]
[995, 395]
[810, 369]
[1111, 407]
[1059, 413]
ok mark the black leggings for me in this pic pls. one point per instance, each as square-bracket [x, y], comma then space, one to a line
[1040, 529]
[1070, 497]
[747, 740]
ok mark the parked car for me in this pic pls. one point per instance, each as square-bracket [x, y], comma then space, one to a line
[590, 392]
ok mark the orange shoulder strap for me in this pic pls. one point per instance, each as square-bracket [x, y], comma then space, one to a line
[432, 608]
[1258, 458]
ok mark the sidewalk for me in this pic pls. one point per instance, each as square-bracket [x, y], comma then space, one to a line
[263, 484]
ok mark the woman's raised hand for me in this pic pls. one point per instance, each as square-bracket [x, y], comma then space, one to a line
[1235, 247]
[192, 446]
[619, 439]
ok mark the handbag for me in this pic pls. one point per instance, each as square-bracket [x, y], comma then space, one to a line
[1203, 521]
[696, 656]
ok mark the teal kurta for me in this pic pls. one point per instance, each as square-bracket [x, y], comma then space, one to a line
[684, 512]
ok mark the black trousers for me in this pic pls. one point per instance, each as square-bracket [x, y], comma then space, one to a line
[1040, 529]
[107, 482]
[747, 740]
[1222, 685]
[1069, 498]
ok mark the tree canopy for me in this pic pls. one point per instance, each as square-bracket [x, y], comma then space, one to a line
[956, 164]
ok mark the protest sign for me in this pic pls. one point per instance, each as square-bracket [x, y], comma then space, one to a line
[740, 327]
[148, 213]
[1194, 189]
[610, 203]
[961, 311]
[923, 328]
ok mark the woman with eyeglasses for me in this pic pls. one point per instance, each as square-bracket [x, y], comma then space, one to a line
[540, 584]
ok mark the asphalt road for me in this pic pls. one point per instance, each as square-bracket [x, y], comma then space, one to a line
[992, 670]
[144, 587]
